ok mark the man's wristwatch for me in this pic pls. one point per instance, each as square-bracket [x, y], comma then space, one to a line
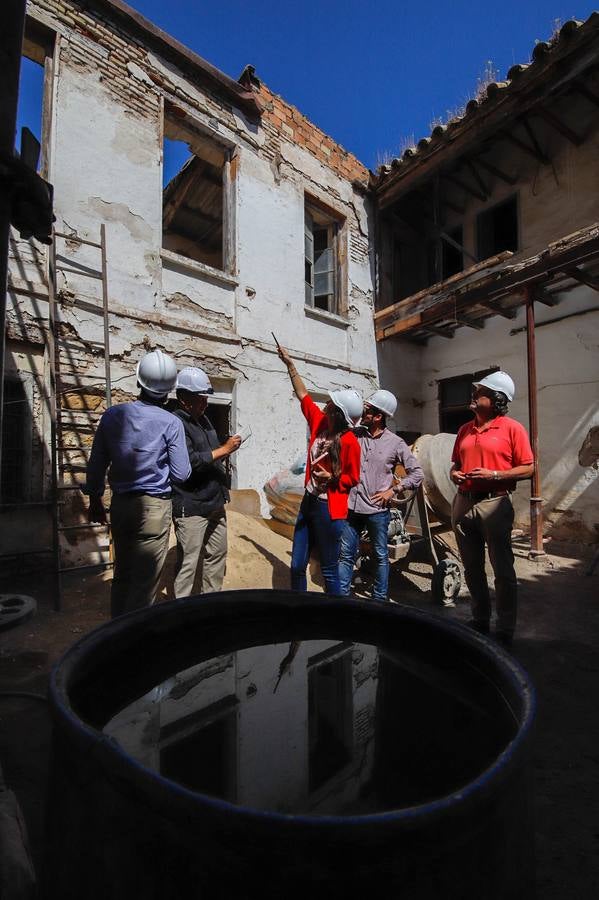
[495, 475]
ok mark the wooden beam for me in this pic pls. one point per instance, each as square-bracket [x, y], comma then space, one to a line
[438, 332]
[494, 170]
[452, 243]
[458, 295]
[585, 92]
[533, 138]
[453, 179]
[508, 136]
[498, 310]
[180, 193]
[399, 307]
[477, 177]
[545, 298]
[583, 277]
[458, 210]
[478, 324]
[561, 127]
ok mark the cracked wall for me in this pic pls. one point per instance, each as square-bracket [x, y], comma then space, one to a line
[106, 126]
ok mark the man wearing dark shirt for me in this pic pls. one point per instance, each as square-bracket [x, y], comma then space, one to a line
[199, 504]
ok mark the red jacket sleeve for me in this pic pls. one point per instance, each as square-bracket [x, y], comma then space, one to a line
[350, 462]
[313, 414]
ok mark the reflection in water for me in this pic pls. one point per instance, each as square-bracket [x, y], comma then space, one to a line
[319, 727]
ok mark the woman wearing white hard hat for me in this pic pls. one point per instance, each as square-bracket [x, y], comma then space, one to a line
[332, 469]
[491, 454]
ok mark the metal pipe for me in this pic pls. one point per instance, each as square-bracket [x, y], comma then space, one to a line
[536, 511]
[13, 27]
[105, 311]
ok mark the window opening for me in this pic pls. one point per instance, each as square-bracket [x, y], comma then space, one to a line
[455, 395]
[330, 719]
[202, 755]
[193, 197]
[321, 256]
[31, 100]
[497, 229]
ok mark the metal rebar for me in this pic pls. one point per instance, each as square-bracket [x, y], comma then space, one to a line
[536, 501]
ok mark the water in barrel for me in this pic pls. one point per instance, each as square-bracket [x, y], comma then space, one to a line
[318, 727]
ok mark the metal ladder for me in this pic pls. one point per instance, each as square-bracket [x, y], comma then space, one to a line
[64, 470]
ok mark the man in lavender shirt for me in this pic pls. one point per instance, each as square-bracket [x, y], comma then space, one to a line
[369, 499]
[144, 447]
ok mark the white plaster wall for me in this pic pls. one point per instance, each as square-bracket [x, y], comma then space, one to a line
[400, 369]
[106, 168]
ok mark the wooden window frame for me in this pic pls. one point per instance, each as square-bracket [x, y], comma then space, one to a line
[194, 130]
[338, 231]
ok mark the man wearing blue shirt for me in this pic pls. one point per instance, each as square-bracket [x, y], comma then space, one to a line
[144, 447]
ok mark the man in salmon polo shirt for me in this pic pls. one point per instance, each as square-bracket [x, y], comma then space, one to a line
[491, 453]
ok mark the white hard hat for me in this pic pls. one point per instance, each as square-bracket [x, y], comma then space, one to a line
[498, 381]
[383, 400]
[157, 373]
[350, 403]
[194, 380]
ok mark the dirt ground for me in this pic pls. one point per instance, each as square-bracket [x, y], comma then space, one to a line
[557, 641]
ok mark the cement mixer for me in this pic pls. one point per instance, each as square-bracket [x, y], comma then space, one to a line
[418, 520]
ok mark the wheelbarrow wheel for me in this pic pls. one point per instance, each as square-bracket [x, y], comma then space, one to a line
[446, 583]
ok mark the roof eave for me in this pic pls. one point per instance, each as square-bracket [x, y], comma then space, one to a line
[188, 61]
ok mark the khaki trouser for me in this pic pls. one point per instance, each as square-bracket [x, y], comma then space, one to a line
[206, 537]
[476, 523]
[140, 527]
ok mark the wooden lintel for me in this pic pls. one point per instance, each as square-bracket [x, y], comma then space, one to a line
[560, 126]
[477, 177]
[468, 189]
[497, 172]
[540, 157]
[583, 277]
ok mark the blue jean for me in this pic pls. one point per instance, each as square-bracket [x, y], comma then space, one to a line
[377, 525]
[314, 527]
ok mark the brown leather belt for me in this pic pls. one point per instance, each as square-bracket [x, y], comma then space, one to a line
[483, 495]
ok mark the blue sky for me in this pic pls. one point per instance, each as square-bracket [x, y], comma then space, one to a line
[370, 75]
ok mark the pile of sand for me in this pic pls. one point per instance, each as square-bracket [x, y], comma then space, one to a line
[258, 557]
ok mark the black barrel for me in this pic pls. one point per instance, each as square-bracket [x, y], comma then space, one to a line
[433, 794]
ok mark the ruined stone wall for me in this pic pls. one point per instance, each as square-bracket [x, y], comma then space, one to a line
[107, 97]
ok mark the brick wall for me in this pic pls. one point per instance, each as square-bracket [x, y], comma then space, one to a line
[283, 121]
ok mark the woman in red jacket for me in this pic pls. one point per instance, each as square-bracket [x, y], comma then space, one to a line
[332, 469]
